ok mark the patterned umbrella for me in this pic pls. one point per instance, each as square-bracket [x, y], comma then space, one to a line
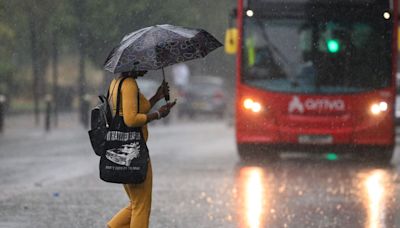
[159, 46]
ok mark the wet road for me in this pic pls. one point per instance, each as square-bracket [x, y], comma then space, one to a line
[317, 195]
[51, 181]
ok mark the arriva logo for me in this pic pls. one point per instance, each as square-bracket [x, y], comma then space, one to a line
[318, 104]
[296, 105]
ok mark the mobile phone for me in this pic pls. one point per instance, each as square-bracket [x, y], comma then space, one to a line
[171, 104]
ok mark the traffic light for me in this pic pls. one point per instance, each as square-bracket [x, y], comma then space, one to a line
[333, 45]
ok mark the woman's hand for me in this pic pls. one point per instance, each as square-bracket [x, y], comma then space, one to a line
[162, 91]
[161, 113]
[165, 109]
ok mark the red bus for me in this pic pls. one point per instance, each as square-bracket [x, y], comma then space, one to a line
[316, 74]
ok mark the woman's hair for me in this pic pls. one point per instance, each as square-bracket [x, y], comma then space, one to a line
[128, 74]
[133, 73]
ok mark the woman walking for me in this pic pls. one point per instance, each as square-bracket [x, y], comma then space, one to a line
[137, 213]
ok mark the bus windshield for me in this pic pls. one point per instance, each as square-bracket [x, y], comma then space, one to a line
[339, 55]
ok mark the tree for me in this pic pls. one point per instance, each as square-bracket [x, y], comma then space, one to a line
[7, 48]
[48, 30]
[34, 16]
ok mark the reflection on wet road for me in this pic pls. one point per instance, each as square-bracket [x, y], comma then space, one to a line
[296, 192]
[377, 191]
[198, 182]
[251, 182]
[315, 194]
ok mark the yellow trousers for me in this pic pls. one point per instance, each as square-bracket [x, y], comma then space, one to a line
[137, 213]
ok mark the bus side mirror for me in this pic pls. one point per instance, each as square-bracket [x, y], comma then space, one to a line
[231, 35]
[231, 41]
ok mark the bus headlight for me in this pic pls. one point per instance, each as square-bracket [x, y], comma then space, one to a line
[378, 108]
[254, 106]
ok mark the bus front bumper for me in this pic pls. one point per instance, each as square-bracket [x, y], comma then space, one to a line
[295, 136]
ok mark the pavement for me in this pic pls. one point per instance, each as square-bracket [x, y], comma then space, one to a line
[50, 179]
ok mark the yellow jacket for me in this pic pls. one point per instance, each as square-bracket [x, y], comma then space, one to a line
[129, 104]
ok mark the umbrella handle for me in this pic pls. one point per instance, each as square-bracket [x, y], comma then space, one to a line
[167, 95]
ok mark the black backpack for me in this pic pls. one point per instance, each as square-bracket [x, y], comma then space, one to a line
[100, 120]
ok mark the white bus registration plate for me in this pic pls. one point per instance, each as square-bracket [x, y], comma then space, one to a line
[315, 139]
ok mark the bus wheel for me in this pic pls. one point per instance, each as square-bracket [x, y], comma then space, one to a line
[378, 156]
[259, 153]
[384, 157]
[245, 152]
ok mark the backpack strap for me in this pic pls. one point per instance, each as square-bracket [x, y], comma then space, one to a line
[108, 109]
[119, 98]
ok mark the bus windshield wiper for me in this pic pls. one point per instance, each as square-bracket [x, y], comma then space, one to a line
[270, 45]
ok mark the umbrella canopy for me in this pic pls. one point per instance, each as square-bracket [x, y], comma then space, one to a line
[159, 46]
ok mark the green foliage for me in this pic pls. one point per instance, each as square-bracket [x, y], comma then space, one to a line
[7, 46]
[109, 21]
[96, 25]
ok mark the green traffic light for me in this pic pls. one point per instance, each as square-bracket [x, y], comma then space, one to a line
[333, 46]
